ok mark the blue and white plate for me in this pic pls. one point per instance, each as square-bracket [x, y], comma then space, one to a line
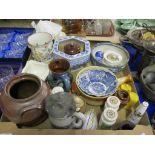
[110, 56]
[97, 81]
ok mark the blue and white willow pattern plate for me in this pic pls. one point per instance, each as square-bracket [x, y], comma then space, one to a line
[97, 82]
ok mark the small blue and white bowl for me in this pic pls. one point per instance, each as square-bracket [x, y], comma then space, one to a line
[110, 56]
[76, 60]
[97, 81]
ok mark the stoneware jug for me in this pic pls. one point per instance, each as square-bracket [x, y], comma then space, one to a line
[61, 109]
[60, 74]
[22, 100]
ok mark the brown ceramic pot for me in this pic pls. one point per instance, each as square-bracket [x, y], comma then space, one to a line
[22, 100]
[123, 95]
[72, 49]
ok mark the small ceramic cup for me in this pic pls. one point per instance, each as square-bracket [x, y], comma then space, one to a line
[60, 74]
[41, 44]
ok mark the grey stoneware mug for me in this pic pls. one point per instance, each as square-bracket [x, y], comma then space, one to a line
[62, 113]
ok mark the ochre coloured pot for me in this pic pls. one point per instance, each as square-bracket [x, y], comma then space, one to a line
[22, 100]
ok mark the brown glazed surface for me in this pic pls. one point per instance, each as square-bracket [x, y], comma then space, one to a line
[123, 95]
[72, 48]
[59, 66]
[22, 100]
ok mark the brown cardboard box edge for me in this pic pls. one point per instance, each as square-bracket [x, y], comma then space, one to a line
[11, 128]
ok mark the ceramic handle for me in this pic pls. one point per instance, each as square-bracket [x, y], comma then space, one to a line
[81, 120]
[67, 82]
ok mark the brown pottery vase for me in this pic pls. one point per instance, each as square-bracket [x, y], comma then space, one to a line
[22, 100]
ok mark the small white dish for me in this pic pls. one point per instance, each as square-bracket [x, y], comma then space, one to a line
[39, 69]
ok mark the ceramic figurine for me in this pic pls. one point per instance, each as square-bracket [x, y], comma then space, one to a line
[60, 74]
[22, 100]
[80, 103]
[112, 102]
[91, 120]
[76, 57]
[57, 89]
[137, 115]
[62, 113]
[108, 118]
[41, 44]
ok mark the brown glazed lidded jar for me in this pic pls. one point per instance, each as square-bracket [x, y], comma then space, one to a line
[123, 95]
[23, 98]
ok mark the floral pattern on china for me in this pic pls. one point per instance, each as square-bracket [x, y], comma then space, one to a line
[97, 82]
[76, 59]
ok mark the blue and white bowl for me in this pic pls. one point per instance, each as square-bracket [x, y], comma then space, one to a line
[97, 81]
[110, 56]
[77, 60]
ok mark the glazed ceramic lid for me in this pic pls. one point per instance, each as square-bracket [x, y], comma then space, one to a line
[113, 102]
[110, 54]
[110, 114]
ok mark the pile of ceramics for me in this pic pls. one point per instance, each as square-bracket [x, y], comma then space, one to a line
[47, 88]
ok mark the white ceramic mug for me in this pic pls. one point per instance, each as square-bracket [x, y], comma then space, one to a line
[41, 46]
[77, 120]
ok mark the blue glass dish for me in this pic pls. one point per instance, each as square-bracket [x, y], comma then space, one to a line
[6, 72]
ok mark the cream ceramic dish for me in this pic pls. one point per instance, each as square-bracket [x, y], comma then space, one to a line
[39, 69]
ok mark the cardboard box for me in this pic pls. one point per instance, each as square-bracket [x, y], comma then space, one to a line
[143, 127]
[44, 128]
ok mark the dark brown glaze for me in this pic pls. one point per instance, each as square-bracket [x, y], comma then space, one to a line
[123, 95]
[72, 48]
[59, 66]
